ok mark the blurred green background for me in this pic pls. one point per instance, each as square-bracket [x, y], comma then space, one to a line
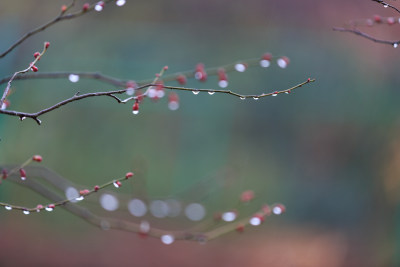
[330, 151]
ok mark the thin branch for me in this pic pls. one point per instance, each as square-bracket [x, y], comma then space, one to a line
[31, 65]
[121, 83]
[369, 37]
[386, 5]
[190, 234]
[62, 16]
[76, 97]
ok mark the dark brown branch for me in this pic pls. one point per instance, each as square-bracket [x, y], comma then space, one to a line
[386, 5]
[76, 97]
[62, 16]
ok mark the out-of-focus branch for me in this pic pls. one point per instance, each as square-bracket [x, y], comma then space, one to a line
[143, 228]
[369, 37]
[351, 27]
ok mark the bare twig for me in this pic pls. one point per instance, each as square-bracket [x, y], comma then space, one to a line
[76, 97]
[386, 5]
[62, 16]
[32, 65]
[216, 229]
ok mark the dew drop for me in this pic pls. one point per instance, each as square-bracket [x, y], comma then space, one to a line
[173, 105]
[135, 112]
[242, 98]
[159, 209]
[109, 202]
[23, 118]
[282, 63]
[229, 216]
[255, 221]
[98, 7]
[26, 212]
[71, 193]
[395, 45]
[385, 6]
[8, 207]
[223, 83]
[49, 209]
[274, 94]
[80, 198]
[211, 92]
[3, 106]
[167, 239]
[256, 97]
[130, 91]
[137, 207]
[73, 78]
[265, 63]
[144, 226]
[120, 2]
[196, 92]
[23, 178]
[195, 212]
[240, 67]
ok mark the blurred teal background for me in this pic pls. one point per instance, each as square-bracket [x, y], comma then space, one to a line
[330, 151]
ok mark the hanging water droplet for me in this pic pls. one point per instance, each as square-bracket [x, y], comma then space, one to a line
[223, 83]
[255, 221]
[8, 207]
[23, 118]
[242, 98]
[265, 63]
[211, 92]
[240, 67]
[130, 91]
[80, 198]
[99, 6]
[73, 78]
[135, 112]
[49, 208]
[23, 178]
[274, 93]
[196, 92]
[288, 92]
[120, 2]
[173, 105]
[167, 239]
[26, 212]
[256, 97]
[385, 5]
[395, 45]
[229, 216]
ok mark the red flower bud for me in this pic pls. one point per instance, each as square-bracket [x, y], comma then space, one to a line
[96, 188]
[181, 79]
[46, 45]
[85, 7]
[128, 175]
[135, 108]
[22, 174]
[240, 228]
[37, 158]
[64, 8]
[34, 68]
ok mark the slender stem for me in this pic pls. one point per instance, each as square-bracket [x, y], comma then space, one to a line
[76, 97]
[62, 16]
